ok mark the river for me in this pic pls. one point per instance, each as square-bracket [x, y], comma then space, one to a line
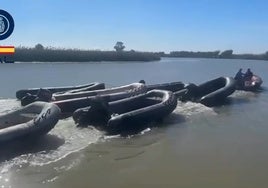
[196, 146]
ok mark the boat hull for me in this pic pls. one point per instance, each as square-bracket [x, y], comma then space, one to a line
[132, 114]
[68, 106]
[33, 120]
[210, 93]
[33, 91]
[172, 86]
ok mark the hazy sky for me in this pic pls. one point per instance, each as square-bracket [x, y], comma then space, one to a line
[145, 25]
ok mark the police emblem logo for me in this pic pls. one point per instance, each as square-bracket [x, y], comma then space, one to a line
[6, 24]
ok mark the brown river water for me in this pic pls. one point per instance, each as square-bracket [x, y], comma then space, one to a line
[196, 146]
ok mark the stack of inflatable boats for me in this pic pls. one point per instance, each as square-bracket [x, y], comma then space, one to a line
[116, 110]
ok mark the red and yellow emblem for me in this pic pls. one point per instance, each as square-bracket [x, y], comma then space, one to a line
[4, 50]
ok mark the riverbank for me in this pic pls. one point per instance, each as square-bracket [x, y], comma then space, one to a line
[76, 55]
[227, 54]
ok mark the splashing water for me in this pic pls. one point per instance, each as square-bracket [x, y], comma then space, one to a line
[62, 141]
[66, 138]
[190, 109]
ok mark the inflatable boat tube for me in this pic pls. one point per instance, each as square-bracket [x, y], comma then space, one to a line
[250, 85]
[209, 93]
[33, 91]
[172, 86]
[116, 90]
[70, 105]
[129, 114]
[31, 121]
[215, 91]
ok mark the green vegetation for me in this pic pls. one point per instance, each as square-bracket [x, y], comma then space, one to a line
[41, 54]
[227, 54]
[194, 54]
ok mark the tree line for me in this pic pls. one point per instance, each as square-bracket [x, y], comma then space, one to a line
[49, 54]
[227, 54]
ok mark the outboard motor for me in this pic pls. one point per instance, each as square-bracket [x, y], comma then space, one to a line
[28, 99]
[189, 93]
[97, 114]
[44, 95]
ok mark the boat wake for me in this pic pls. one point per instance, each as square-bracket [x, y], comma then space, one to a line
[191, 109]
[8, 105]
[66, 139]
[62, 141]
[243, 97]
[245, 94]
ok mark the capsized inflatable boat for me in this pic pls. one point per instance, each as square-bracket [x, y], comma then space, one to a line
[209, 93]
[252, 84]
[72, 89]
[33, 120]
[129, 114]
[70, 105]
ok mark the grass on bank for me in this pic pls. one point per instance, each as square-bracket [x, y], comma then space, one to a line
[76, 55]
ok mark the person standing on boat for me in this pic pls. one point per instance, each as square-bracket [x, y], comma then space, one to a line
[248, 74]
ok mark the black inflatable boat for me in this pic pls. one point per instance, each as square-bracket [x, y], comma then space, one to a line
[172, 86]
[70, 105]
[130, 114]
[33, 120]
[209, 93]
[34, 91]
[122, 89]
[45, 95]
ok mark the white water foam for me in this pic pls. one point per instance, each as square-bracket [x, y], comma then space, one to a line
[7, 105]
[72, 139]
[189, 109]
[61, 141]
[75, 139]
[243, 94]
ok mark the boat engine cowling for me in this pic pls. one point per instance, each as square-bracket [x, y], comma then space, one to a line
[42, 95]
[189, 93]
[28, 99]
[97, 114]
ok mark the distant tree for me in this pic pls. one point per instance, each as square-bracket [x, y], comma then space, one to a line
[39, 47]
[119, 46]
[226, 54]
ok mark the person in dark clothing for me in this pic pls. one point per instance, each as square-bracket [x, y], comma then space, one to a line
[248, 74]
[239, 77]
[142, 81]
